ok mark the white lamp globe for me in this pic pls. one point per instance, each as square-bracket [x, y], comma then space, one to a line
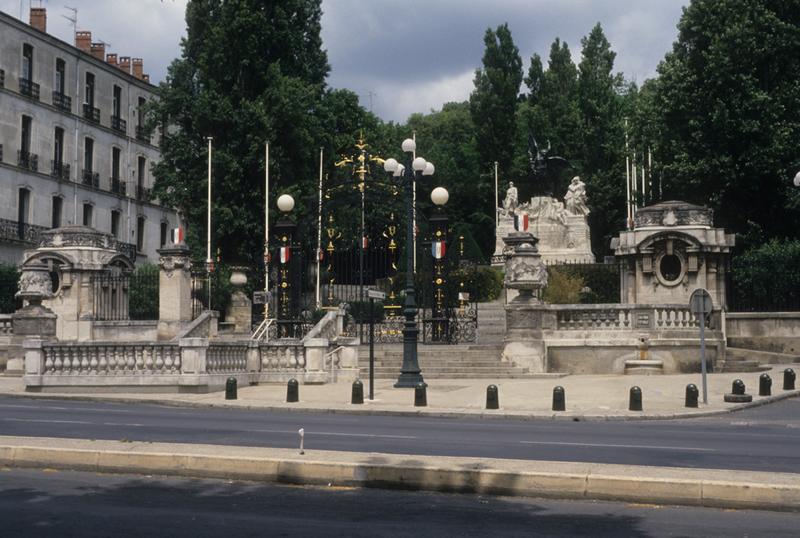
[797, 180]
[439, 196]
[429, 169]
[390, 165]
[285, 203]
[409, 145]
[399, 170]
[419, 164]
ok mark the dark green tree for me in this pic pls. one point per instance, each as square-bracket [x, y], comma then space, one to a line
[493, 102]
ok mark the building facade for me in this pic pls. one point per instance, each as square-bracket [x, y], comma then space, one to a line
[73, 147]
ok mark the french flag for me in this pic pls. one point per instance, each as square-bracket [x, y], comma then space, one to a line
[438, 249]
[521, 222]
[285, 254]
[176, 235]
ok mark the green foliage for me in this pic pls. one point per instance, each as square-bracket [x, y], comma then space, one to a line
[602, 282]
[768, 275]
[360, 311]
[143, 293]
[9, 278]
[562, 287]
[483, 283]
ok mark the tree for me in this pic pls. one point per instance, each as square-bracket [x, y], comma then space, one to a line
[250, 71]
[493, 103]
[727, 104]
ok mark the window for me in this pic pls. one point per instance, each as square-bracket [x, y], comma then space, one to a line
[140, 112]
[140, 234]
[115, 156]
[60, 81]
[27, 62]
[115, 223]
[140, 172]
[670, 267]
[58, 148]
[58, 203]
[23, 207]
[89, 90]
[117, 102]
[163, 233]
[88, 209]
[88, 155]
[25, 136]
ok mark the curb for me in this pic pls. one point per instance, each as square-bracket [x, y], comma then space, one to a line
[660, 485]
[417, 412]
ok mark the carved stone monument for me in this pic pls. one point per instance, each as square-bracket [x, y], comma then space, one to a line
[175, 290]
[562, 228]
[32, 321]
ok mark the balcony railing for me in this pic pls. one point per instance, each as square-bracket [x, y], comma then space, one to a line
[59, 169]
[91, 113]
[2, 78]
[92, 179]
[119, 124]
[28, 160]
[29, 88]
[11, 230]
[143, 194]
[142, 134]
[118, 186]
[64, 102]
[1, 153]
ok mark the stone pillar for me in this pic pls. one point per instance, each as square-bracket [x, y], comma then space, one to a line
[315, 349]
[240, 311]
[193, 355]
[33, 321]
[174, 290]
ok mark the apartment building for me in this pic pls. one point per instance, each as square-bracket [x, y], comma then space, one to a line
[73, 148]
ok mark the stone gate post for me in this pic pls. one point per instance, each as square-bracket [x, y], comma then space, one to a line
[174, 290]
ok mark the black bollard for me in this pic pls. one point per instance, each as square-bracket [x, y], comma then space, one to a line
[492, 397]
[421, 395]
[738, 387]
[559, 399]
[292, 391]
[764, 385]
[635, 403]
[691, 395]
[230, 389]
[788, 379]
[357, 396]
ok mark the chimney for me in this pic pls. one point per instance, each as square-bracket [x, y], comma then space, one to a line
[125, 63]
[146, 78]
[83, 41]
[138, 68]
[99, 51]
[39, 18]
[111, 59]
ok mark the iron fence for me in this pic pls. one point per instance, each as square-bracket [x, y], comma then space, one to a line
[126, 296]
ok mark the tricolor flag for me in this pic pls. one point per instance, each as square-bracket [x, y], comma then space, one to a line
[285, 254]
[521, 222]
[365, 242]
[438, 249]
[176, 235]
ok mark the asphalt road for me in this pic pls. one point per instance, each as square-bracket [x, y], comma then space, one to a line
[760, 439]
[41, 503]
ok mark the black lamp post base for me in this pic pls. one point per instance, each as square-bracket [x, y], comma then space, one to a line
[408, 380]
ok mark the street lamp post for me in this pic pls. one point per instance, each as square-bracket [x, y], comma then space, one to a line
[410, 375]
[440, 328]
[285, 283]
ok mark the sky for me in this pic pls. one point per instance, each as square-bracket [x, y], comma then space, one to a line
[399, 57]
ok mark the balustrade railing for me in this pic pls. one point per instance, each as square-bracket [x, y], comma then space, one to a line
[119, 124]
[91, 179]
[5, 325]
[64, 102]
[2, 78]
[20, 231]
[91, 113]
[118, 186]
[59, 170]
[29, 88]
[28, 160]
[224, 358]
[626, 317]
[142, 134]
[278, 356]
[111, 359]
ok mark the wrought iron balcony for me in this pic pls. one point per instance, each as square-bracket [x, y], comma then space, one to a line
[92, 179]
[64, 102]
[118, 186]
[91, 113]
[2, 78]
[143, 193]
[59, 170]
[29, 88]
[1, 153]
[11, 230]
[28, 160]
[142, 134]
[119, 124]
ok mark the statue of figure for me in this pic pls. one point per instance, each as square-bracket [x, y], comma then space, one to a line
[545, 169]
[511, 201]
[575, 199]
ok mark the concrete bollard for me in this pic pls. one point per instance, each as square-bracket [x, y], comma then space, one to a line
[231, 391]
[292, 391]
[788, 379]
[492, 397]
[357, 396]
[691, 395]
[421, 395]
[559, 399]
[764, 385]
[635, 401]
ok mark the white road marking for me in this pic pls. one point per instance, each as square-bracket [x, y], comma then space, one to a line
[46, 421]
[56, 408]
[597, 445]
[122, 424]
[374, 435]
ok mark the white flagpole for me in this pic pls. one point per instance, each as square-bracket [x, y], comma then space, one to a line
[634, 184]
[319, 228]
[496, 200]
[627, 176]
[208, 224]
[266, 230]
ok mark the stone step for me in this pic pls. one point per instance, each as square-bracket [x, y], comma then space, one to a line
[762, 357]
[496, 375]
[740, 365]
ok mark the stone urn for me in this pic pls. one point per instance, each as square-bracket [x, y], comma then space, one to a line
[525, 271]
[32, 321]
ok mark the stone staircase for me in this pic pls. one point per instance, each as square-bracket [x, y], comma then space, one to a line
[750, 360]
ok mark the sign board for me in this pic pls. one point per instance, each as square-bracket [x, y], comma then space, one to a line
[700, 303]
[260, 297]
[375, 294]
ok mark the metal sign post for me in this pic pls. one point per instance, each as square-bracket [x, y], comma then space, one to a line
[701, 305]
[372, 294]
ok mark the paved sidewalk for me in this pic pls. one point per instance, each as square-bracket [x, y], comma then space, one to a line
[588, 397]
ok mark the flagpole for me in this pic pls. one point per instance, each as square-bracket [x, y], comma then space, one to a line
[208, 224]
[627, 176]
[319, 228]
[496, 200]
[266, 231]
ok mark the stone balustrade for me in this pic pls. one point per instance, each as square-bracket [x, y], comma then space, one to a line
[226, 357]
[5, 325]
[626, 317]
[112, 359]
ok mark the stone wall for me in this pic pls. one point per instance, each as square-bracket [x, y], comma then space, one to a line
[764, 331]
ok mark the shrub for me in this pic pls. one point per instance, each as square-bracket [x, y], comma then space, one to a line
[767, 277]
[563, 287]
[143, 293]
[9, 280]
